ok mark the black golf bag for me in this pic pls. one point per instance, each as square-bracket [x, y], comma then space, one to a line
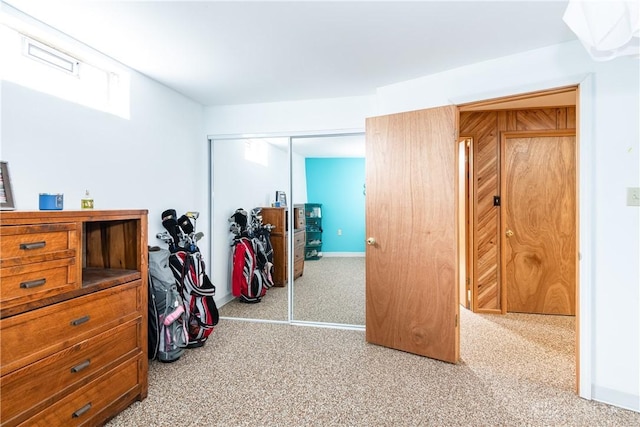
[188, 268]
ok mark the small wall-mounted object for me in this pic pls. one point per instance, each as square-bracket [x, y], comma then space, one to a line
[51, 202]
[633, 196]
[86, 202]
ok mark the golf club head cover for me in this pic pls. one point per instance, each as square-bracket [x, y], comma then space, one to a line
[240, 217]
[170, 223]
[168, 214]
[185, 223]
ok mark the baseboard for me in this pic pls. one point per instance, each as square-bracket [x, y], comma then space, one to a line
[225, 299]
[616, 398]
[342, 254]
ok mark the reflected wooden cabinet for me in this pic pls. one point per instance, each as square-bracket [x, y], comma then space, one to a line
[279, 235]
[73, 315]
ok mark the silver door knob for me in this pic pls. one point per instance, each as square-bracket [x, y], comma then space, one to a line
[371, 241]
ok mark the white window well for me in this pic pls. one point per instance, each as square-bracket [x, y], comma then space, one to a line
[46, 62]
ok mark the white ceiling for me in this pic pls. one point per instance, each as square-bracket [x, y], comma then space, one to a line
[237, 52]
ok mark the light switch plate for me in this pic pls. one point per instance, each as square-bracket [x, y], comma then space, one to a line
[633, 196]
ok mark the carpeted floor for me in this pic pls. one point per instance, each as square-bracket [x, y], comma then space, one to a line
[515, 370]
[331, 290]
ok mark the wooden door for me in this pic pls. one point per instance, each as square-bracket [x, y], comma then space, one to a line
[411, 213]
[538, 189]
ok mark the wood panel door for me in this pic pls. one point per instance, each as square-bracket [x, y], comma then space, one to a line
[538, 188]
[411, 212]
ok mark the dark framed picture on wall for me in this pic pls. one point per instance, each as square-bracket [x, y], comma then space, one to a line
[6, 194]
[281, 198]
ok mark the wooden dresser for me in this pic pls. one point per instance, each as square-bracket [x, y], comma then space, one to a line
[279, 235]
[73, 315]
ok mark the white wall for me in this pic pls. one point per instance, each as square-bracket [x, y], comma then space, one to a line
[616, 234]
[155, 161]
[290, 117]
[298, 179]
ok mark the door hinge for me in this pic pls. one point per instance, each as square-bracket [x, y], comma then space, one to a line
[456, 325]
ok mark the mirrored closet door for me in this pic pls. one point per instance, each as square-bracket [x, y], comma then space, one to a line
[245, 174]
[331, 290]
[323, 179]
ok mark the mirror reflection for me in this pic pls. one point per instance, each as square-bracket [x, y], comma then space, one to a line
[331, 290]
[327, 199]
[245, 175]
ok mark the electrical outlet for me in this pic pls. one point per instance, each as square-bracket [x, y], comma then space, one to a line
[633, 196]
[339, 231]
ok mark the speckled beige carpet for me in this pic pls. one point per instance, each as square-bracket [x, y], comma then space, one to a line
[330, 290]
[515, 370]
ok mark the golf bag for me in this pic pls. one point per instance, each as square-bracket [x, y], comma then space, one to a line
[167, 330]
[197, 293]
[246, 279]
[188, 268]
[261, 242]
[251, 257]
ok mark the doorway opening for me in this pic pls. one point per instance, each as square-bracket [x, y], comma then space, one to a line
[482, 226]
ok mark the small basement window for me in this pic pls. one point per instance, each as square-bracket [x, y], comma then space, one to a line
[50, 56]
[85, 78]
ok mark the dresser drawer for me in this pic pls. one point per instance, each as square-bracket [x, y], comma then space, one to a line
[298, 268]
[298, 253]
[84, 406]
[20, 244]
[33, 282]
[36, 384]
[299, 213]
[298, 246]
[30, 336]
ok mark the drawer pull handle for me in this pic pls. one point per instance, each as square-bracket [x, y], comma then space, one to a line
[33, 283]
[80, 321]
[34, 245]
[82, 410]
[79, 367]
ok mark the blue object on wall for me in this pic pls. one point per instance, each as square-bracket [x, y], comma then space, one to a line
[337, 184]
